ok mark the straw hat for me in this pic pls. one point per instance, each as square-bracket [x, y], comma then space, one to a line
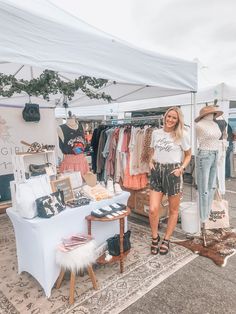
[207, 110]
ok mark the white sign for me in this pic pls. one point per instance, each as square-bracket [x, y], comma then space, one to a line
[13, 130]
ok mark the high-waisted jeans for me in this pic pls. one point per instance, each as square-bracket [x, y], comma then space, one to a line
[206, 162]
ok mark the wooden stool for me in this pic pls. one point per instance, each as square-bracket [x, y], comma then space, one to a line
[75, 261]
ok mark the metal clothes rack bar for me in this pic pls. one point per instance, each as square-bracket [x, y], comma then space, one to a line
[131, 120]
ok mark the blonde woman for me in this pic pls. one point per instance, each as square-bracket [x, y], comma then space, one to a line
[171, 154]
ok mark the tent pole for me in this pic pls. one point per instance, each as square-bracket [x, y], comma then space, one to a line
[66, 114]
[193, 99]
[193, 135]
[194, 114]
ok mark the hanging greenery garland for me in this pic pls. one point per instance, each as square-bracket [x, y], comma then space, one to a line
[48, 83]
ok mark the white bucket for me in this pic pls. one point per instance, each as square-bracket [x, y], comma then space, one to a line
[190, 220]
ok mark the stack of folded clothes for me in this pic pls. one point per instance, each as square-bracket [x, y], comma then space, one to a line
[97, 192]
[73, 242]
[111, 211]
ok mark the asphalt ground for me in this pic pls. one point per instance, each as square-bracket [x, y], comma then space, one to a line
[199, 287]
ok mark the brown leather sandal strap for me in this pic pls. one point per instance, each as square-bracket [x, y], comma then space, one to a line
[165, 245]
[156, 239]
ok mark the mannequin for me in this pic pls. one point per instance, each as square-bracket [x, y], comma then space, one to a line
[208, 134]
[222, 124]
[71, 123]
[229, 152]
[72, 143]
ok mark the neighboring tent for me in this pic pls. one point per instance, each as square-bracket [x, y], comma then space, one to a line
[42, 35]
[222, 92]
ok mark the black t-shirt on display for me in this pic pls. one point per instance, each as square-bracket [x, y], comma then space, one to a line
[74, 142]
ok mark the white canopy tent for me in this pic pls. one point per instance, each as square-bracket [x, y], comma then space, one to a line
[43, 36]
[38, 35]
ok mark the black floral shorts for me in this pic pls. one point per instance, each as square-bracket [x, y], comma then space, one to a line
[162, 180]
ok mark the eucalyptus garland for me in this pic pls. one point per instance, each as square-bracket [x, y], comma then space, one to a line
[49, 82]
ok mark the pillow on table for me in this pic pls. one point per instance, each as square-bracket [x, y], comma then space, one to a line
[50, 205]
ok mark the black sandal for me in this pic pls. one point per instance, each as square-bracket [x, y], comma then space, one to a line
[164, 247]
[154, 245]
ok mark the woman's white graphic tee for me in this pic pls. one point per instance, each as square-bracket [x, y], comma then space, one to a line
[166, 149]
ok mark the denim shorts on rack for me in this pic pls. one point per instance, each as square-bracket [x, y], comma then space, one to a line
[162, 180]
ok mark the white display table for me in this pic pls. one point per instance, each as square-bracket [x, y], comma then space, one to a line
[37, 239]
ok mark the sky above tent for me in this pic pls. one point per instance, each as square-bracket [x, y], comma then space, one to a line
[198, 30]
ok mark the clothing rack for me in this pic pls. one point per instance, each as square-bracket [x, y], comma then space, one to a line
[134, 120]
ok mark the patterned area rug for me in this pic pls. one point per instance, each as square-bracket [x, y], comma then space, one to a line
[221, 244]
[143, 271]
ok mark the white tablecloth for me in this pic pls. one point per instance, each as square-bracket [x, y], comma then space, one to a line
[37, 239]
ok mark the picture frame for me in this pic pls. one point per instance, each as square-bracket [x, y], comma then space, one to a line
[63, 184]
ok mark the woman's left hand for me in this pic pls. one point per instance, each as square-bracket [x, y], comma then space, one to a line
[178, 172]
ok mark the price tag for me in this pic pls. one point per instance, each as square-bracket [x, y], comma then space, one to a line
[97, 211]
[115, 205]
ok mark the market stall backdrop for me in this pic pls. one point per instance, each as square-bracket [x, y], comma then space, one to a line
[39, 35]
[13, 129]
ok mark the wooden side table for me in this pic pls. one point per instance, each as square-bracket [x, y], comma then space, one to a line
[101, 259]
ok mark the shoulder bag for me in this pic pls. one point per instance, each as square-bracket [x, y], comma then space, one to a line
[113, 243]
[31, 113]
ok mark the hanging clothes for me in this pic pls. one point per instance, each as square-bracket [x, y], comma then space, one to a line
[94, 144]
[105, 153]
[120, 152]
[110, 164]
[147, 150]
[134, 182]
[118, 168]
[100, 165]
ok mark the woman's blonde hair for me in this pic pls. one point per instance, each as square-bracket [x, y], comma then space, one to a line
[179, 128]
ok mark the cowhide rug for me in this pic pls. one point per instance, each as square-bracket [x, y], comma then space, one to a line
[221, 244]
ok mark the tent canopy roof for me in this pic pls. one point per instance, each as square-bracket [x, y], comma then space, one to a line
[42, 35]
